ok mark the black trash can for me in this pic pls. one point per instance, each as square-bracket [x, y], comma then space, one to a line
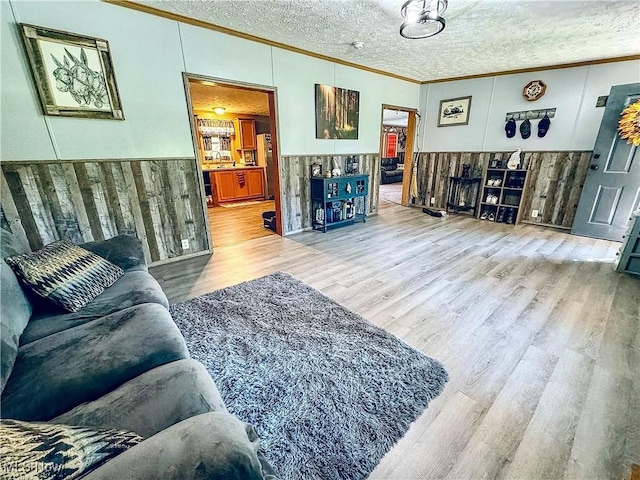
[269, 220]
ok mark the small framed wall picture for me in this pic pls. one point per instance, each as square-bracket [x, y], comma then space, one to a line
[454, 111]
[316, 170]
[73, 74]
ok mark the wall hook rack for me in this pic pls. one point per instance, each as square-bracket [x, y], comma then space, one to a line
[530, 114]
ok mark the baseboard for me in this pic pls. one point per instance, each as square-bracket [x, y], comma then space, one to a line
[548, 225]
[300, 230]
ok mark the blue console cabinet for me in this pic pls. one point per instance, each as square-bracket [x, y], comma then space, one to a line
[338, 201]
[629, 254]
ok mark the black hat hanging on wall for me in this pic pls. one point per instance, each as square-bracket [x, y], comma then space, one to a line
[510, 128]
[543, 126]
[525, 129]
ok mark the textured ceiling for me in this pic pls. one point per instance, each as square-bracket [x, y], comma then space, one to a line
[481, 36]
[206, 96]
[395, 118]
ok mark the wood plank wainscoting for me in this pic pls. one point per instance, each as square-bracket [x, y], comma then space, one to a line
[158, 200]
[295, 187]
[555, 180]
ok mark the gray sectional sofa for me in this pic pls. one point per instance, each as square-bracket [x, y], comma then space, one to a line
[121, 363]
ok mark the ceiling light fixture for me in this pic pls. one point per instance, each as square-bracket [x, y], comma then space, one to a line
[422, 18]
[219, 110]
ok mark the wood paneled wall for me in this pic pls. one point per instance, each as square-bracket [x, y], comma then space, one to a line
[296, 190]
[159, 201]
[555, 180]
[555, 186]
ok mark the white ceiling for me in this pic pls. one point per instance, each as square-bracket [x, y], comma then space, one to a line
[395, 118]
[481, 36]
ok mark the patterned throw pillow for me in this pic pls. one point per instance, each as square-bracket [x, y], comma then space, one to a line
[64, 273]
[55, 452]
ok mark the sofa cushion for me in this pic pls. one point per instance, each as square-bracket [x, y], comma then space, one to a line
[45, 451]
[133, 288]
[64, 273]
[390, 163]
[152, 401]
[56, 373]
[393, 176]
[15, 311]
[10, 245]
[124, 250]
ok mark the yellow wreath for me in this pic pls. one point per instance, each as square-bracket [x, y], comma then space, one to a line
[629, 124]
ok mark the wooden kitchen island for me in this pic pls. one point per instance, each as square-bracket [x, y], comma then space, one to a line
[234, 184]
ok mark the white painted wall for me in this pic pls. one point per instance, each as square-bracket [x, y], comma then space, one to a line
[147, 61]
[572, 91]
[295, 76]
[456, 138]
[383, 89]
[218, 55]
[150, 53]
[23, 131]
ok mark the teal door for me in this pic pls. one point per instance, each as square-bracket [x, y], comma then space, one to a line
[611, 190]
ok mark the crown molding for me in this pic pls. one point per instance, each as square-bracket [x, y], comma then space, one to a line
[536, 69]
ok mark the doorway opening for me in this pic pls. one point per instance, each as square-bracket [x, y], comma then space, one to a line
[396, 154]
[234, 131]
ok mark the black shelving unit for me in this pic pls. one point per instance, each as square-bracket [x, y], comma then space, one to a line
[463, 194]
[338, 201]
[502, 194]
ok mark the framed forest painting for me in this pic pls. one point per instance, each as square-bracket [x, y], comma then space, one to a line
[337, 112]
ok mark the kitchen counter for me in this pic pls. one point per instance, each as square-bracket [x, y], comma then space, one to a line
[232, 184]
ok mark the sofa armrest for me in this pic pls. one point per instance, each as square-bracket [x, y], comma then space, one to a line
[124, 250]
[215, 446]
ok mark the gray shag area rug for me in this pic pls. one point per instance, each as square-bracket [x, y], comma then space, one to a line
[328, 392]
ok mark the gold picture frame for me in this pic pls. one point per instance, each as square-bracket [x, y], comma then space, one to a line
[454, 111]
[73, 74]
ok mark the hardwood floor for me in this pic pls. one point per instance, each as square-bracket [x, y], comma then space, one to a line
[538, 333]
[391, 192]
[233, 224]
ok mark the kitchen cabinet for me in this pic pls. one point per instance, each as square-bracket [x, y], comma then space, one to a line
[225, 185]
[247, 129]
[235, 184]
[256, 183]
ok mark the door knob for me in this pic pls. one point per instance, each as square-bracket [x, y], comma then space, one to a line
[597, 155]
[594, 167]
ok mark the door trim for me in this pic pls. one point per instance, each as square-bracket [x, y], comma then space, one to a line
[272, 93]
[408, 150]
